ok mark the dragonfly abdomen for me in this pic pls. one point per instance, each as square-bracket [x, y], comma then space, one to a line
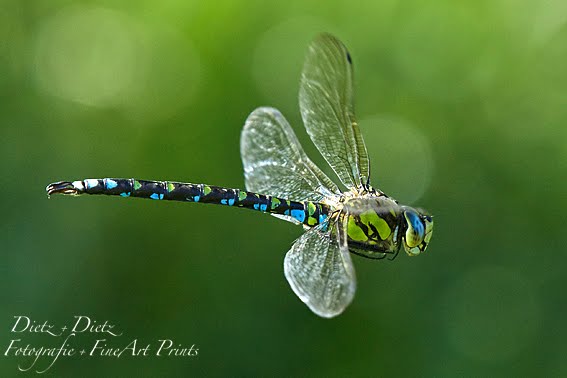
[306, 212]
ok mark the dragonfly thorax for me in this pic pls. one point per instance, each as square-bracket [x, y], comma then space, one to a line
[377, 225]
[374, 224]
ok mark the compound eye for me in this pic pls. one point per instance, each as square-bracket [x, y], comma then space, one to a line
[415, 231]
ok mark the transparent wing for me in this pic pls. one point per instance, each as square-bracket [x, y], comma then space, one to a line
[327, 109]
[320, 272]
[275, 163]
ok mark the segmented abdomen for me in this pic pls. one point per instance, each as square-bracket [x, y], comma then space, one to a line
[306, 212]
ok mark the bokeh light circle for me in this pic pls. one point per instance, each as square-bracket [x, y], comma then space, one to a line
[86, 55]
[278, 59]
[401, 159]
[105, 58]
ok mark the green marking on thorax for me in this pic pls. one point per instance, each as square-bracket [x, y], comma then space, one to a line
[137, 185]
[371, 218]
[170, 187]
[354, 231]
[206, 190]
[242, 196]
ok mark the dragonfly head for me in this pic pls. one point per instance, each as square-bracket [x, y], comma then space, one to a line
[418, 230]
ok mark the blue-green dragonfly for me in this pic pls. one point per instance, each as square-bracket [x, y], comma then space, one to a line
[282, 180]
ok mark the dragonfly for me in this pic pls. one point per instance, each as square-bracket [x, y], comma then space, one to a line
[281, 180]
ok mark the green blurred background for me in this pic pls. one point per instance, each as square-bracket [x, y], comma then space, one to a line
[462, 105]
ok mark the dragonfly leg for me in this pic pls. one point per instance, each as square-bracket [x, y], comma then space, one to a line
[394, 254]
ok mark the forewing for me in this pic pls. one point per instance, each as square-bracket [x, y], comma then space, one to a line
[320, 272]
[275, 163]
[327, 109]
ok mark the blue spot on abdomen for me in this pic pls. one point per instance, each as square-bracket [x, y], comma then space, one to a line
[156, 196]
[110, 184]
[91, 183]
[298, 214]
[125, 194]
